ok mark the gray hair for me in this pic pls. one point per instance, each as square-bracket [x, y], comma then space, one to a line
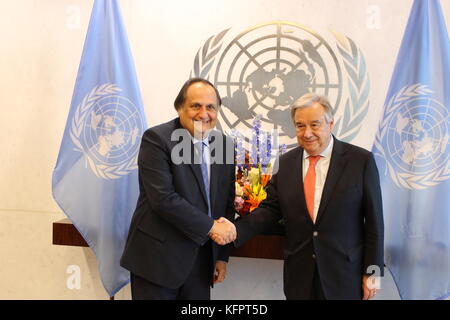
[308, 100]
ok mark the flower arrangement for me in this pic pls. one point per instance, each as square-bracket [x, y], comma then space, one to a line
[250, 189]
[253, 170]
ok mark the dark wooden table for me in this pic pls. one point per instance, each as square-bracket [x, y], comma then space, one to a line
[261, 246]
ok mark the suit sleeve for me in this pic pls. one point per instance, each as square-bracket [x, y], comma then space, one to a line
[266, 215]
[224, 251]
[373, 211]
[156, 178]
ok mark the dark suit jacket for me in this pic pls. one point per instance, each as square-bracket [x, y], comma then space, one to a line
[348, 234]
[171, 219]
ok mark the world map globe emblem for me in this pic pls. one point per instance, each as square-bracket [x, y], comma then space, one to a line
[413, 139]
[112, 129]
[107, 128]
[417, 141]
[266, 68]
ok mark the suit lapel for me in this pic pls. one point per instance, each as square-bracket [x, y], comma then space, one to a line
[194, 167]
[214, 176]
[299, 176]
[198, 173]
[295, 178]
[215, 169]
[213, 185]
[337, 164]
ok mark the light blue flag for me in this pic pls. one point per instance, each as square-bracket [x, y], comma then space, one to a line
[95, 181]
[412, 151]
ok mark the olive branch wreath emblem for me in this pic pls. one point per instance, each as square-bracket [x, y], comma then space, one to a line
[405, 179]
[76, 129]
[358, 82]
[206, 55]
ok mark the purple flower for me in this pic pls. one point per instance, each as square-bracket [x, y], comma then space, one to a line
[238, 147]
[266, 149]
[255, 140]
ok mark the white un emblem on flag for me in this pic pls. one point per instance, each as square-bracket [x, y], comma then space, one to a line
[106, 128]
[414, 138]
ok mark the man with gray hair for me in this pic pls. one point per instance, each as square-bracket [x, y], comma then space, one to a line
[328, 193]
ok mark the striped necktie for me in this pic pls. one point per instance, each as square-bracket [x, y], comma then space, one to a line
[201, 147]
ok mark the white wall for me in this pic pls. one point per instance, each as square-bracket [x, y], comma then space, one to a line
[41, 43]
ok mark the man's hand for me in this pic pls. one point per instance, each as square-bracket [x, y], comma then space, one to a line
[222, 231]
[370, 286]
[220, 271]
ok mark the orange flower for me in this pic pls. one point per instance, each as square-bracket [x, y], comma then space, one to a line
[255, 199]
[247, 190]
[265, 179]
[254, 203]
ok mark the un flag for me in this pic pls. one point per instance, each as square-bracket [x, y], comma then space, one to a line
[412, 151]
[95, 180]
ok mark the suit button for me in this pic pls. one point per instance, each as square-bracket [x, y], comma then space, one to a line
[313, 256]
[315, 233]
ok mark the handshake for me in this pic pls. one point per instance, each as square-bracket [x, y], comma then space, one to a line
[223, 231]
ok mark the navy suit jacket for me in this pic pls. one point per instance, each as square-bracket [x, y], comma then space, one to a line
[171, 219]
[347, 237]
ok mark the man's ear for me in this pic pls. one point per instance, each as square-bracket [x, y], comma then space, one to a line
[331, 125]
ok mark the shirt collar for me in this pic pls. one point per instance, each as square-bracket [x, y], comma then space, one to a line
[204, 141]
[326, 153]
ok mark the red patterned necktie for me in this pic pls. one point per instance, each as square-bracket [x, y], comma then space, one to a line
[309, 185]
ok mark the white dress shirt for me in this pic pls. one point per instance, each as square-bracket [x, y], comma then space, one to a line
[322, 166]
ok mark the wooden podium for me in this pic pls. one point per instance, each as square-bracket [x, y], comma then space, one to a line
[268, 246]
[65, 234]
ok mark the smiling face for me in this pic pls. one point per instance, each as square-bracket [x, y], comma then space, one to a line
[198, 113]
[312, 129]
